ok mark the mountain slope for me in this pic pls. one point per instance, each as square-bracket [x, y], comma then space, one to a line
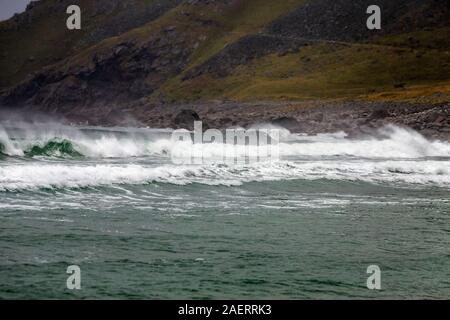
[38, 36]
[141, 53]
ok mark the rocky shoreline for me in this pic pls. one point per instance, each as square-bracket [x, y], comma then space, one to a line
[356, 118]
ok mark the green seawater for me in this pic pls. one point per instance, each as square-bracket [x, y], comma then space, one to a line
[57, 148]
[304, 227]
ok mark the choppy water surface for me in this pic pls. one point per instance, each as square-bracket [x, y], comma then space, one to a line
[139, 226]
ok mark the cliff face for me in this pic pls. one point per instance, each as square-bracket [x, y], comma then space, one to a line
[133, 54]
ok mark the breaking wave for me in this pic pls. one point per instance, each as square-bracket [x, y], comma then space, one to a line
[389, 142]
[95, 158]
[16, 177]
[54, 148]
[7, 147]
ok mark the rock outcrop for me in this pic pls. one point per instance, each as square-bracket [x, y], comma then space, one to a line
[185, 119]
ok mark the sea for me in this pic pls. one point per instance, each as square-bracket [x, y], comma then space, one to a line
[310, 224]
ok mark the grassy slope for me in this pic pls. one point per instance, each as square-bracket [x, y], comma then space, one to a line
[395, 67]
[243, 18]
[390, 68]
[41, 40]
[46, 40]
[400, 67]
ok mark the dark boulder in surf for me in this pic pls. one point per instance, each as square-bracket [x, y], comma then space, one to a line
[185, 119]
[289, 123]
[378, 114]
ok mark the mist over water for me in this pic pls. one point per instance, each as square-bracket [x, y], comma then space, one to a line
[304, 226]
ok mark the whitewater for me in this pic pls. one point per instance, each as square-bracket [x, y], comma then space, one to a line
[305, 225]
[72, 158]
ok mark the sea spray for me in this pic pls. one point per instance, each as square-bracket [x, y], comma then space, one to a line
[388, 143]
[7, 146]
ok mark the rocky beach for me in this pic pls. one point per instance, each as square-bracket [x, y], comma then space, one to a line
[355, 118]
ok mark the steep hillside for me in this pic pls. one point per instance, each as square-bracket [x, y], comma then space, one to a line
[322, 50]
[38, 37]
[132, 54]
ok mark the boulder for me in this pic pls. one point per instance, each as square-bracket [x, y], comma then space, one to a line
[289, 123]
[185, 119]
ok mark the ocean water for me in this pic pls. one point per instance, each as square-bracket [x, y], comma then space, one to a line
[305, 226]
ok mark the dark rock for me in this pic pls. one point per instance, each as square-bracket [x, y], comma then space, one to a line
[379, 114]
[343, 20]
[318, 117]
[185, 119]
[440, 119]
[225, 122]
[287, 123]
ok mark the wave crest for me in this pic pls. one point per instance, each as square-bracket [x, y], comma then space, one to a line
[34, 176]
[388, 143]
[54, 148]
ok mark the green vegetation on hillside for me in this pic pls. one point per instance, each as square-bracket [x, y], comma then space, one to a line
[398, 66]
[241, 19]
[323, 71]
[40, 38]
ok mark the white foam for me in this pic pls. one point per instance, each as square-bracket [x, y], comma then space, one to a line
[10, 147]
[34, 176]
[395, 143]
[390, 142]
[396, 155]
